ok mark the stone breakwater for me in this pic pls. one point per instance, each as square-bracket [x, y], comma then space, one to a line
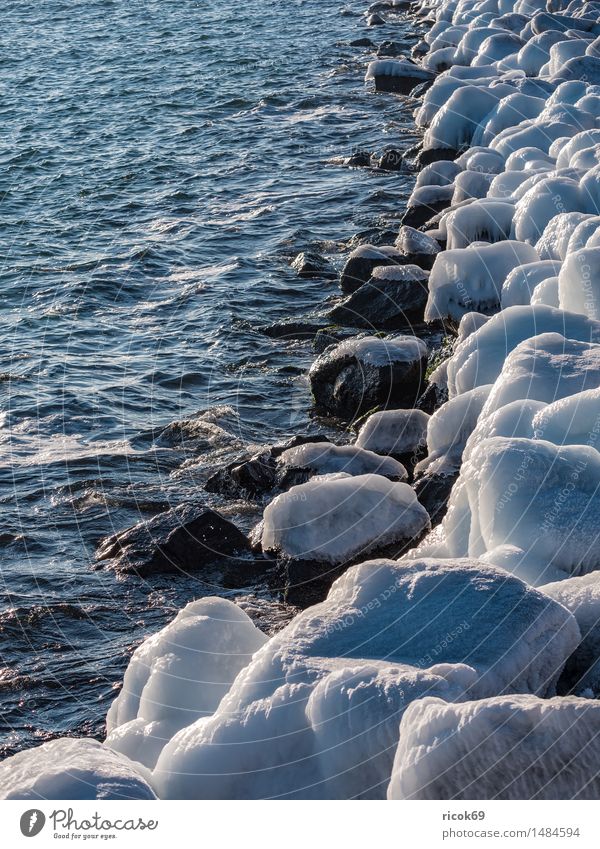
[446, 558]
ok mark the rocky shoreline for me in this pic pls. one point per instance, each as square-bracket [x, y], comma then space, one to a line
[445, 558]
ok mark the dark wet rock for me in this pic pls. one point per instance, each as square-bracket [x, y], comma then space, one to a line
[433, 492]
[256, 475]
[374, 236]
[436, 154]
[359, 159]
[375, 20]
[362, 374]
[418, 248]
[425, 204]
[202, 433]
[291, 329]
[432, 398]
[308, 264]
[391, 160]
[399, 76]
[361, 42]
[362, 261]
[394, 298]
[187, 538]
[391, 48]
[331, 336]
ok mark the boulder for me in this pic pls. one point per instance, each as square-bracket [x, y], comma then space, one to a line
[362, 261]
[506, 747]
[320, 528]
[73, 768]
[308, 264]
[394, 298]
[360, 374]
[316, 713]
[187, 538]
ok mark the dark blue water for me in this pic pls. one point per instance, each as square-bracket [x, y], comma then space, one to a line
[160, 164]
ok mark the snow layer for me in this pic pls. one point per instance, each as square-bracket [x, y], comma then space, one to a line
[180, 674]
[323, 458]
[334, 521]
[394, 432]
[471, 278]
[581, 595]
[511, 747]
[539, 497]
[72, 768]
[315, 714]
[479, 359]
[448, 431]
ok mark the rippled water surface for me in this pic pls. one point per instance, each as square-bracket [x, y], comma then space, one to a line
[160, 165]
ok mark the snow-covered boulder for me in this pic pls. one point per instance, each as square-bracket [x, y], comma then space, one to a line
[398, 433]
[299, 464]
[360, 374]
[73, 768]
[398, 75]
[179, 675]
[509, 747]
[542, 498]
[316, 712]
[479, 359]
[546, 368]
[320, 527]
[581, 595]
[579, 282]
[470, 279]
[574, 420]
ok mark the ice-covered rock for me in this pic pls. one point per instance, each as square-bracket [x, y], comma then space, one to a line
[290, 724]
[536, 496]
[581, 595]
[418, 248]
[520, 284]
[321, 527]
[470, 279]
[579, 282]
[479, 359]
[448, 430]
[180, 674]
[73, 768]
[360, 374]
[509, 747]
[297, 465]
[483, 220]
[546, 368]
[398, 75]
[399, 433]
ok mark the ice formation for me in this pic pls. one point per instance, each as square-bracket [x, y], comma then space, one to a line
[333, 520]
[395, 432]
[73, 768]
[509, 747]
[323, 458]
[334, 683]
[179, 675]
